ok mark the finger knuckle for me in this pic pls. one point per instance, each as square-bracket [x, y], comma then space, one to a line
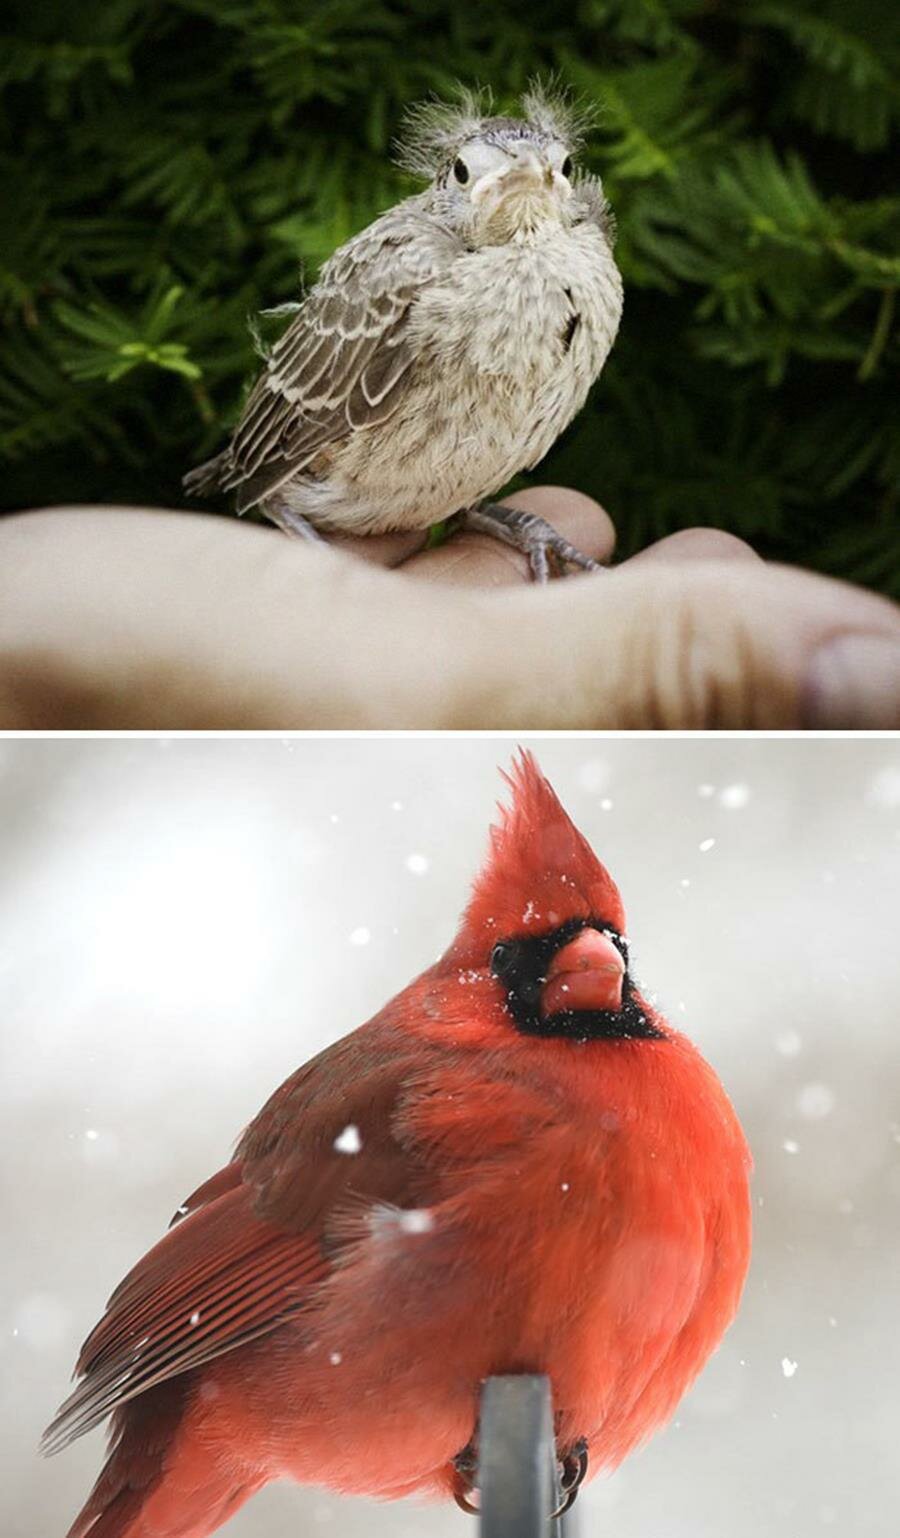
[701, 666]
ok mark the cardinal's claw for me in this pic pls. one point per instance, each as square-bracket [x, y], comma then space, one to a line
[574, 1468]
[534, 536]
[465, 1467]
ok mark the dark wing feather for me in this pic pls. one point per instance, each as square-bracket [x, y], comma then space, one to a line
[344, 361]
[219, 1278]
[249, 1247]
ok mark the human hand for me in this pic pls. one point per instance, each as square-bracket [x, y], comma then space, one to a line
[124, 619]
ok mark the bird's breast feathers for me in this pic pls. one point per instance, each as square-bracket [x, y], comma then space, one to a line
[507, 310]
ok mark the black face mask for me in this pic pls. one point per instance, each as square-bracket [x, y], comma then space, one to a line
[521, 965]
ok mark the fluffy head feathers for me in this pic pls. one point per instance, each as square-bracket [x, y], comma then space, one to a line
[434, 131]
[540, 870]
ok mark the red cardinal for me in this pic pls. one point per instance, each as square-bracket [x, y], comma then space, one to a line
[517, 1166]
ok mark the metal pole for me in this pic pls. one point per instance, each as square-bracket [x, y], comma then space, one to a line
[517, 1478]
[567, 1526]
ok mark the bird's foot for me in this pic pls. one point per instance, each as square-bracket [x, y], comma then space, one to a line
[294, 524]
[465, 1478]
[572, 1470]
[534, 536]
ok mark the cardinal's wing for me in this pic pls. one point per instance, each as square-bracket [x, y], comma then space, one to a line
[248, 1248]
[344, 362]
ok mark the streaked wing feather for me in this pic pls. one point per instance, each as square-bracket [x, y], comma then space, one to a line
[372, 398]
[343, 361]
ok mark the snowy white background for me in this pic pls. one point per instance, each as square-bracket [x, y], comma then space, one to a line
[182, 923]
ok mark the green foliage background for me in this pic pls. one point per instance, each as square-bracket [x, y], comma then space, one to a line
[168, 167]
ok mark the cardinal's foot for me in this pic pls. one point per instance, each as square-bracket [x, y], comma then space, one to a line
[465, 1478]
[572, 1470]
[534, 536]
[277, 511]
[571, 1476]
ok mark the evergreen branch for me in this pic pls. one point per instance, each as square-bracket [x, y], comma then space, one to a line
[879, 335]
[119, 343]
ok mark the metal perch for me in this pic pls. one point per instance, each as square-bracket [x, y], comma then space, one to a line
[518, 1480]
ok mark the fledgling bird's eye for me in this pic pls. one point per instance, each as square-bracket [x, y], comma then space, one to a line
[461, 171]
[566, 167]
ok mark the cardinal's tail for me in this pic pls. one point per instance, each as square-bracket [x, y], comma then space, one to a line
[160, 1479]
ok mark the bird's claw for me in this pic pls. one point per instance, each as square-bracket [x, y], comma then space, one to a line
[573, 1469]
[534, 536]
[465, 1470]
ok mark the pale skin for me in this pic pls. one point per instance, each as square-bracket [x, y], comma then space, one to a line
[118, 619]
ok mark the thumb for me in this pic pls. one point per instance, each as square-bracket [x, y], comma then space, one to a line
[693, 646]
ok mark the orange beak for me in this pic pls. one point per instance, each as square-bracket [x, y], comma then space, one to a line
[585, 974]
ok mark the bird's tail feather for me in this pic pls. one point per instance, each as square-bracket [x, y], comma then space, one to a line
[208, 477]
[159, 1480]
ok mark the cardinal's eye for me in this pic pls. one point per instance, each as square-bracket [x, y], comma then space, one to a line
[566, 167]
[501, 956]
[461, 171]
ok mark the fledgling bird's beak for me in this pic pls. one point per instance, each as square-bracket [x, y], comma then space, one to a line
[528, 172]
[522, 195]
[529, 163]
[530, 169]
[588, 973]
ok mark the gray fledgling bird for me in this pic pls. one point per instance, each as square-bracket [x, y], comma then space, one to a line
[445, 347]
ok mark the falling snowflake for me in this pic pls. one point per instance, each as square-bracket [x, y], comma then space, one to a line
[815, 1101]
[360, 936]
[788, 1367]
[593, 775]
[349, 1141]
[417, 1220]
[733, 797]
[417, 863]
[706, 845]
[884, 787]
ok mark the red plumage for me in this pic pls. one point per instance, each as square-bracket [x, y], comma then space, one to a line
[521, 1189]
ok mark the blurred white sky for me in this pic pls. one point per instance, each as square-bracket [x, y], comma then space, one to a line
[183, 922]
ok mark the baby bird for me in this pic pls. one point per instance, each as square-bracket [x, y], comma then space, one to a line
[445, 347]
